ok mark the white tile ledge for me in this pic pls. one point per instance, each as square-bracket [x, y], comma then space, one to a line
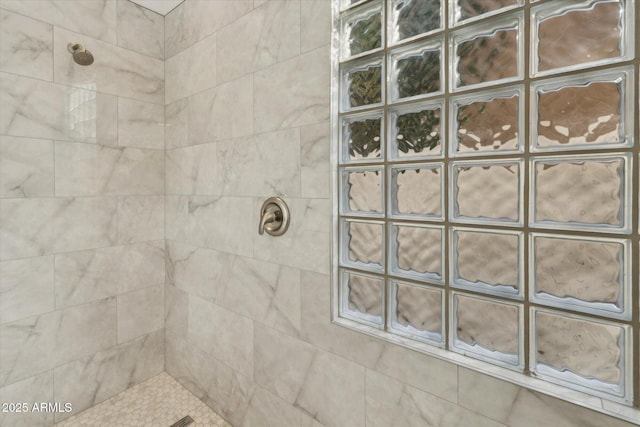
[601, 405]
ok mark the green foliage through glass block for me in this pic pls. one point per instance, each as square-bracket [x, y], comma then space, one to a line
[472, 8]
[488, 57]
[419, 74]
[365, 86]
[364, 138]
[366, 34]
[418, 131]
[417, 17]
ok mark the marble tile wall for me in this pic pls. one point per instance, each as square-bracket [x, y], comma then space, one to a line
[82, 200]
[247, 316]
[129, 194]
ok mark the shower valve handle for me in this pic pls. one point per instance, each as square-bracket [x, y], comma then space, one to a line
[271, 215]
[274, 217]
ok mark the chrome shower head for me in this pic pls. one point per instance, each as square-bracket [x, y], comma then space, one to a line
[80, 55]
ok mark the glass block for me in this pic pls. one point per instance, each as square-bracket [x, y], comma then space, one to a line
[486, 124]
[487, 54]
[588, 354]
[591, 111]
[410, 18]
[416, 70]
[362, 297]
[416, 312]
[361, 137]
[416, 251]
[576, 34]
[362, 83]
[361, 190]
[348, 3]
[416, 191]
[486, 329]
[486, 191]
[583, 274]
[362, 30]
[363, 244]
[415, 131]
[487, 261]
[465, 10]
[581, 192]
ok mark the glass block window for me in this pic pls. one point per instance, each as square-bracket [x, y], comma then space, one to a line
[487, 185]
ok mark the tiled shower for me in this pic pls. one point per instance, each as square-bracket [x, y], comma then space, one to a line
[129, 199]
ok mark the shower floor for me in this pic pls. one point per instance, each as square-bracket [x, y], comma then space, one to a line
[157, 402]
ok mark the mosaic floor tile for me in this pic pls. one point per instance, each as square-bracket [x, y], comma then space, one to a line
[157, 402]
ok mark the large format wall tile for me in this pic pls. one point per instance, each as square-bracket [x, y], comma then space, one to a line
[65, 291]
[315, 24]
[32, 227]
[96, 18]
[116, 70]
[27, 167]
[140, 29]
[176, 211]
[314, 158]
[223, 334]
[223, 112]
[224, 389]
[176, 116]
[268, 35]
[191, 71]
[89, 169]
[435, 376]
[140, 218]
[262, 165]
[26, 288]
[317, 329]
[253, 166]
[190, 366]
[212, 222]
[176, 321]
[329, 388]
[305, 245]
[485, 395]
[39, 109]
[532, 409]
[140, 312]
[392, 403]
[268, 410]
[519, 407]
[267, 293]
[91, 275]
[193, 170]
[26, 46]
[140, 124]
[194, 270]
[93, 379]
[309, 421]
[333, 391]
[61, 336]
[293, 93]
[34, 390]
[194, 20]
[281, 363]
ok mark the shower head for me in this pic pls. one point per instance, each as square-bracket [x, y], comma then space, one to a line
[80, 55]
